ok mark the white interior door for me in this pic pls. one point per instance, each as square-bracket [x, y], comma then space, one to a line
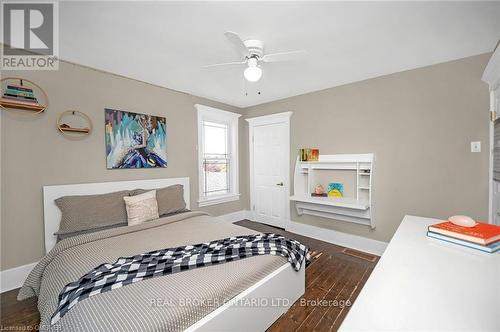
[270, 172]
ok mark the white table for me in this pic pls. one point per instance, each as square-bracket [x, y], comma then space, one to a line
[424, 284]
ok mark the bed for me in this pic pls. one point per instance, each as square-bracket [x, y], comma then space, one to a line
[248, 294]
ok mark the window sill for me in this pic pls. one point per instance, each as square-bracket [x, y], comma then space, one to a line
[218, 200]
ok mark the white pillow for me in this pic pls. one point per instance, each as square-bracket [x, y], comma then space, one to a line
[141, 208]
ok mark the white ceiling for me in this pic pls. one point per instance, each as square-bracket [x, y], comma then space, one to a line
[166, 43]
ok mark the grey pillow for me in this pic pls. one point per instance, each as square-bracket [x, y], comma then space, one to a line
[170, 199]
[82, 213]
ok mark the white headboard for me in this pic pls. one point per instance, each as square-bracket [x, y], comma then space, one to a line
[52, 214]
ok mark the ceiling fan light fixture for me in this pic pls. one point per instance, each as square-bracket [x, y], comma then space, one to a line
[252, 73]
[252, 51]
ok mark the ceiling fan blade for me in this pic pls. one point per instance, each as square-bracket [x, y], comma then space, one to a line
[237, 43]
[284, 56]
[225, 64]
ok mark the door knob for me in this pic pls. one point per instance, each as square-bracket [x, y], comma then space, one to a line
[280, 184]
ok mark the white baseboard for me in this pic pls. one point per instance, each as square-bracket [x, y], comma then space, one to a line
[14, 278]
[328, 235]
[342, 239]
[233, 217]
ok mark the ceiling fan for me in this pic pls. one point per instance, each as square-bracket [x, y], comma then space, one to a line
[253, 52]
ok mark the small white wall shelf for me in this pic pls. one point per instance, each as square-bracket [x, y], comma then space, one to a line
[357, 209]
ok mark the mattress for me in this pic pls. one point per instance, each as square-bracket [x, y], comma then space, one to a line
[167, 303]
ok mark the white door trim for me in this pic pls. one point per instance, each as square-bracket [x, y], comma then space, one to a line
[491, 195]
[491, 76]
[283, 117]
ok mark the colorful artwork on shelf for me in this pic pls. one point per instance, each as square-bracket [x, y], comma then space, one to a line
[309, 154]
[335, 189]
[135, 140]
[319, 191]
[313, 155]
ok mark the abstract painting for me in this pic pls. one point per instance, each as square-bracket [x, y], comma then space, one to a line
[335, 189]
[135, 140]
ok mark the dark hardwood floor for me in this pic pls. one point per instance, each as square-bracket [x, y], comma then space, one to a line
[18, 315]
[333, 281]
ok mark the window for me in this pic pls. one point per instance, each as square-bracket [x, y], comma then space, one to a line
[217, 155]
[216, 159]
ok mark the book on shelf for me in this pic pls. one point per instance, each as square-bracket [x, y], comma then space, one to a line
[19, 102]
[20, 88]
[77, 130]
[482, 233]
[9, 96]
[490, 248]
[19, 93]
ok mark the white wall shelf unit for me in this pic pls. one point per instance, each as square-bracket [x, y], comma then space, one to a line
[357, 209]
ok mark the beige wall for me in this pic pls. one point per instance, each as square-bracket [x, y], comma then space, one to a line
[35, 154]
[419, 123]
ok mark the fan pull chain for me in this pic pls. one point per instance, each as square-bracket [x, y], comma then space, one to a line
[246, 87]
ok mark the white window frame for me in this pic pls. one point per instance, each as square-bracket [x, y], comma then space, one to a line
[210, 114]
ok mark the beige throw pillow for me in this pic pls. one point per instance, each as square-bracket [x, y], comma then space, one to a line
[141, 208]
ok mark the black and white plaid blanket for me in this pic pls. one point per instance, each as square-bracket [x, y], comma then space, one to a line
[128, 270]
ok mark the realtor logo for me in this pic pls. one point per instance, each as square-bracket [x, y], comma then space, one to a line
[30, 35]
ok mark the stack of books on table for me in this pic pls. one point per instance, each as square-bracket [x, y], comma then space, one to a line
[21, 95]
[484, 237]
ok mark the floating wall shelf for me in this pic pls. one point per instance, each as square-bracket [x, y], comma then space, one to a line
[357, 209]
[14, 105]
[11, 104]
[74, 131]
